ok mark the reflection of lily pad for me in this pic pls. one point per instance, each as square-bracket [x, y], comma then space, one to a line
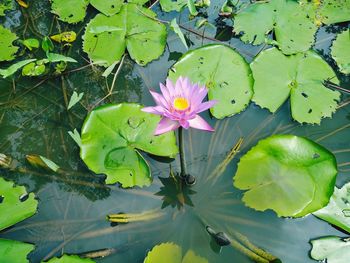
[293, 30]
[15, 204]
[223, 71]
[70, 259]
[299, 76]
[291, 175]
[12, 251]
[133, 28]
[173, 254]
[341, 51]
[337, 212]
[7, 49]
[70, 11]
[110, 137]
[332, 249]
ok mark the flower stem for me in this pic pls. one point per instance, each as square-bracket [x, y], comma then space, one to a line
[182, 153]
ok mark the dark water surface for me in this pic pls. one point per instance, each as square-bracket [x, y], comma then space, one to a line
[72, 209]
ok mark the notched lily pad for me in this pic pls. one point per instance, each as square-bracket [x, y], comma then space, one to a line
[16, 204]
[341, 51]
[70, 259]
[70, 11]
[110, 140]
[291, 175]
[7, 49]
[299, 76]
[332, 249]
[223, 71]
[14, 251]
[107, 7]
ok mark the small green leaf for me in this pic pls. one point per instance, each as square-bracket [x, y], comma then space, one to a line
[14, 251]
[53, 57]
[36, 68]
[75, 99]
[42, 162]
[31, 43]
[289, 174]
[75, 136]
[341, 51]
[13, 68]
[54, 167]
[109, 70]
[175, 27]
[7, 49]
[333, 249]
[70, 259]
[47, 44]
[192, 8]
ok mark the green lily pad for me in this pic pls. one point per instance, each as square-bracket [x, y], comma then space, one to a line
[341, 51]
[70, 11]
[299, 76]
[111, 136]
[223, 71]
[5, 5]
[173, 254]
[14, 251]
[289, 174]
[133, 28]
[170, 5]
[70, 259]
[337, 212]
[333, 249]
[107, 7]
[7, 49]
[293, 30]
[16, 205]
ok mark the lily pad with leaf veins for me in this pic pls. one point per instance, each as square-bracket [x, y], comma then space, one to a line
[14, 251]
[110, 140]
[223, 71]
[7, 49]
[341, 51]
[291, 175]
[299, 76]
[332, 249]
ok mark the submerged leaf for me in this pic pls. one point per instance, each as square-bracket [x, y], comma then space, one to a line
[70, 11]
[4, 6]
[333, 249]
[7, 49]
[69, 37]
[16, 204]
[299, 76]
[75, 136]
[223, 71]
[341, 51]
[14, 251]
[42, 162]
[289, 174]
[111, 136]
[13, 68]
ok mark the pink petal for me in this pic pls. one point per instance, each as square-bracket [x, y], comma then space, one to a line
[170, 87]
[159, 99]
[165, 92]
[159, 110]
[198, 96]
[184, 123]
[199, 123]
[166, 125]
[205, 105]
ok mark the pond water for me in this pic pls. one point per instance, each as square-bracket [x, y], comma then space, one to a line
[72, 209]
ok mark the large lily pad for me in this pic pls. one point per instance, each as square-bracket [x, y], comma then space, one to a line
[173, 254]
[223, 71]
[7, 49]
[111, 136]
[70, 11]
[133, 28]
[14, 251]
[333, 249]
[341, 51]
[70, 259]
[337, 212]
[107, 7]
[15, 204]
[289, 174]
[299, 76]
[293, 30]
[5, 5]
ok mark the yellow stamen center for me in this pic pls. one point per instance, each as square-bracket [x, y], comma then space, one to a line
[181, 103]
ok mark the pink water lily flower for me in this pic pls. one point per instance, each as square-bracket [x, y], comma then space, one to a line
[179, 105]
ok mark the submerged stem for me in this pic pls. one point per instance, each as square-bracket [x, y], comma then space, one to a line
[182, 153]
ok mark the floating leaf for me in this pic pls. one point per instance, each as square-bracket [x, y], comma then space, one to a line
[31, 43]
[175, 27]
[53, 57]
[173, 254]
[75, 136]
[170, 5]
[293, 30]
[337, 211]
[107, 7]
[16, 204]
[14, 251]
[70, 259]
[223, 71]
[289, 174]
[70, 11]
[299, 76]
[7, 49]
[22, 3]
[341, 51]
[4, 6]
[111, 136]
[75, 99]
[68, 37]
[13, 68]
[333, 249]
[33, 69]
[133, 29]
